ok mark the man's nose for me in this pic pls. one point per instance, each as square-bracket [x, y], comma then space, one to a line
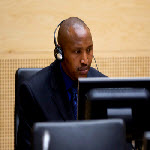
[84, 58]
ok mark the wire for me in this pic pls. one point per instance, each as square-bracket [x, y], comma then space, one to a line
[96, 63]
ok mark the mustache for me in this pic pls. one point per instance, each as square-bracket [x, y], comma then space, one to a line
[84, 67]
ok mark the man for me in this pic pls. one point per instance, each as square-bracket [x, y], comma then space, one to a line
[47, 95]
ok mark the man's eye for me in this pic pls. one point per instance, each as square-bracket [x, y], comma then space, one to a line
[88, 50]
[77, 51]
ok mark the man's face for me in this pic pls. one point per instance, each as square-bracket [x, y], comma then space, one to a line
[78, 53]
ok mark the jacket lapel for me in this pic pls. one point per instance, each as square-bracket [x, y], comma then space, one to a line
[62, 103]
[60, 96]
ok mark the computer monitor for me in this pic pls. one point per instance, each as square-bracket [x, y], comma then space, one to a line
[106, 134]
[126, 98]
[147, 140]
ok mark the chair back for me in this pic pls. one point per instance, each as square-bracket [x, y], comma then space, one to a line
[21, 75]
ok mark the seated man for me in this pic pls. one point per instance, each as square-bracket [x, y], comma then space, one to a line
[47, 95]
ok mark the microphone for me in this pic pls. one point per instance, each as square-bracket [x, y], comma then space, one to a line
[46, 140]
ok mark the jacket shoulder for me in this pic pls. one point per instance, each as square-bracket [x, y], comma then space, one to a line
[44, 75]
[94, 73]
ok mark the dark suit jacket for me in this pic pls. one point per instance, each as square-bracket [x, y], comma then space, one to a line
[44, 98]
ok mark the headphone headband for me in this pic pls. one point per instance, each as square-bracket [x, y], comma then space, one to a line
[58, 53]
[55, 32]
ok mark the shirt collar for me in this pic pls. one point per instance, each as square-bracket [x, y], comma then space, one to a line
[68, 81]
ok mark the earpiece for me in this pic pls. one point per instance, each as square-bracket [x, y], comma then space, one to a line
[58, 52]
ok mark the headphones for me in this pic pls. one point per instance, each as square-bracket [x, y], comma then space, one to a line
[58, 52]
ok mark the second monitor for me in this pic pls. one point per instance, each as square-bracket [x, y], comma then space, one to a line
[126, 98]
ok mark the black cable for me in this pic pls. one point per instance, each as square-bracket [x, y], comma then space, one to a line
[96, 63]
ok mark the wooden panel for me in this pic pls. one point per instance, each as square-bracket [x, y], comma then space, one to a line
[119, 28]
[111, 66]
[121, 36]
[8, 68]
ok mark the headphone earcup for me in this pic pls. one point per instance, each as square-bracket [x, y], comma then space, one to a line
[58, 53]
